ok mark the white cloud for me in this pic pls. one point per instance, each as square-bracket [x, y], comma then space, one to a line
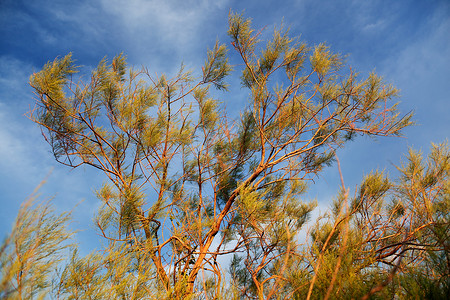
[428, 54]
[172, 22]
[14, 146]
[375, 26]
[26, 159]
[13, 75]
[370, 17]
[422, 72]
[17, 137]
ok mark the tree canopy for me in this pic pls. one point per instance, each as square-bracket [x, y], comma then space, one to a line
[189, 185]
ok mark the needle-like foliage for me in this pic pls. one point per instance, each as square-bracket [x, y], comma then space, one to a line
[32, 251]
[189, 186]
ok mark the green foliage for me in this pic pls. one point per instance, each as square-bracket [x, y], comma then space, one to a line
[188, 185]
[117, 272]
[398, 235]
[357, 245]
[216, 67]
[322, 61]
[32, 251]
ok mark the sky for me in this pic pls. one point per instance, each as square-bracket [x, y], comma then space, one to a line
[405, 41]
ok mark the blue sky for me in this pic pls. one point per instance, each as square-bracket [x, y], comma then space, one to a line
[407, 42]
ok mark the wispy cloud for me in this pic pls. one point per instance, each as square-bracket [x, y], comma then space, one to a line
[18, 140]
[26, 159]
[171, 30]
[422, 71]
[375, 26]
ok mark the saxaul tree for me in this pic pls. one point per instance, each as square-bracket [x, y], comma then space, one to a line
[187, 184]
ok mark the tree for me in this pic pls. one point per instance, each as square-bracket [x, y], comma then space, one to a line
[187, 184]
[391, 238]
[388, 241]
[32, 251]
